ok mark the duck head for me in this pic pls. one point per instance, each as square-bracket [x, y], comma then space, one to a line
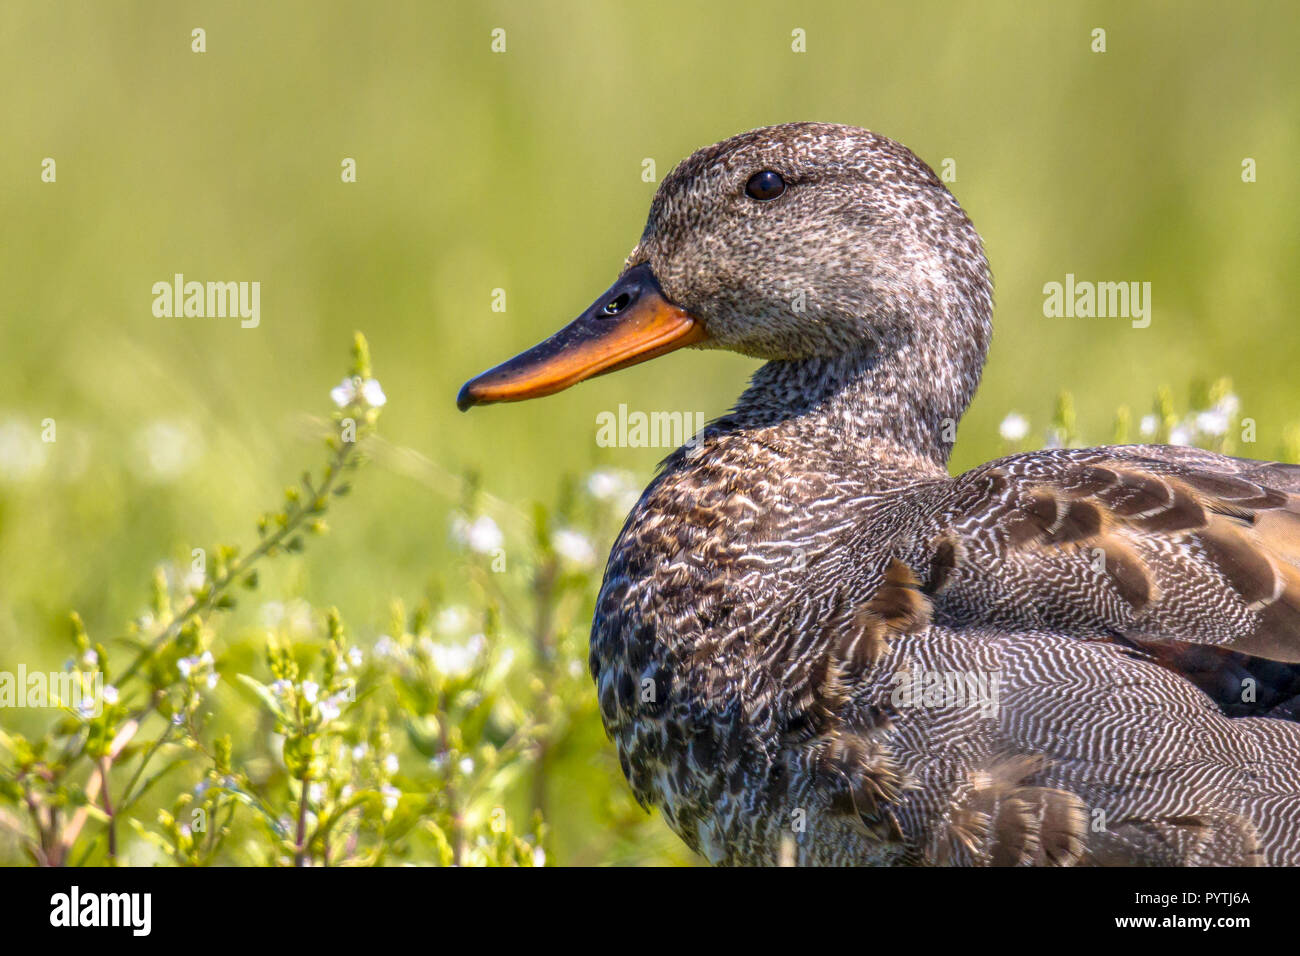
[802, 244]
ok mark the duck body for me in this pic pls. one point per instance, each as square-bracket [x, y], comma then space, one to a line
[724, 678]
[813, 645]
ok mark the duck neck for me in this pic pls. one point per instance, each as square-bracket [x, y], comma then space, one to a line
[893, 406]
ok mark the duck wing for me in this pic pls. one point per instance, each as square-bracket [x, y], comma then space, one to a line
[1165, 547]
[982, 745]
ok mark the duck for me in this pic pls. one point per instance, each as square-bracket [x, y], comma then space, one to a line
[813, 645]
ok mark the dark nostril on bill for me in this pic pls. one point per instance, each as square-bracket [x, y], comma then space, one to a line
[616, 305]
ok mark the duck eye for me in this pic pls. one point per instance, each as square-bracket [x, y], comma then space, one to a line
[765, 185]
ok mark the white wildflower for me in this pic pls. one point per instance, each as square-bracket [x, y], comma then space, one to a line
[22, 453]
[574, 547]
[351, 390]
[452, 619]
[605, 485]
[456, 660]
[480, 535]
[330, 708]
[1213, 422]
[1148, 426]
[1014, 427]
[310, 691]
[163, 451]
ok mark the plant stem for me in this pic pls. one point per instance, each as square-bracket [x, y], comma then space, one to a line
[237, 570]
[300, 850]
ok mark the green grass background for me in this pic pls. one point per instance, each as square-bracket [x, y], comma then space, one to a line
[522, 171]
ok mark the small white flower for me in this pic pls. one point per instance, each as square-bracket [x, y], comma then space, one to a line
[22, 453]
[1180, 436]
[574, 547]
[1229, 405]
[330, 709]
[386, 647]
[1014, 427]
[1213, 422]
[212, 680]
[391, 764]
[315, 793]
[110, 694]
[162, 451]
[281, 688]
[186, 665]
[1148, 426]
[310, 690]
[456, 660]
[344, 392]
[480, 535]
[539, 856]
[359, 751]
[605, 485]
[391, 796]
[351, 389]
[467, 765]
[90, 660]
[452, 619]
[355, 656]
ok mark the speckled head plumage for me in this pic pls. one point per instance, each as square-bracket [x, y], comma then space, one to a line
[864, 244]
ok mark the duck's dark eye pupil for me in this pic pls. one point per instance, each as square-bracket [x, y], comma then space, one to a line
[615, 306]
[765, 185]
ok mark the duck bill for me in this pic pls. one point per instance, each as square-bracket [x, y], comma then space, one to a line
[630, 323]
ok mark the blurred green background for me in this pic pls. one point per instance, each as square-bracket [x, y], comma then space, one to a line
[522, 171]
